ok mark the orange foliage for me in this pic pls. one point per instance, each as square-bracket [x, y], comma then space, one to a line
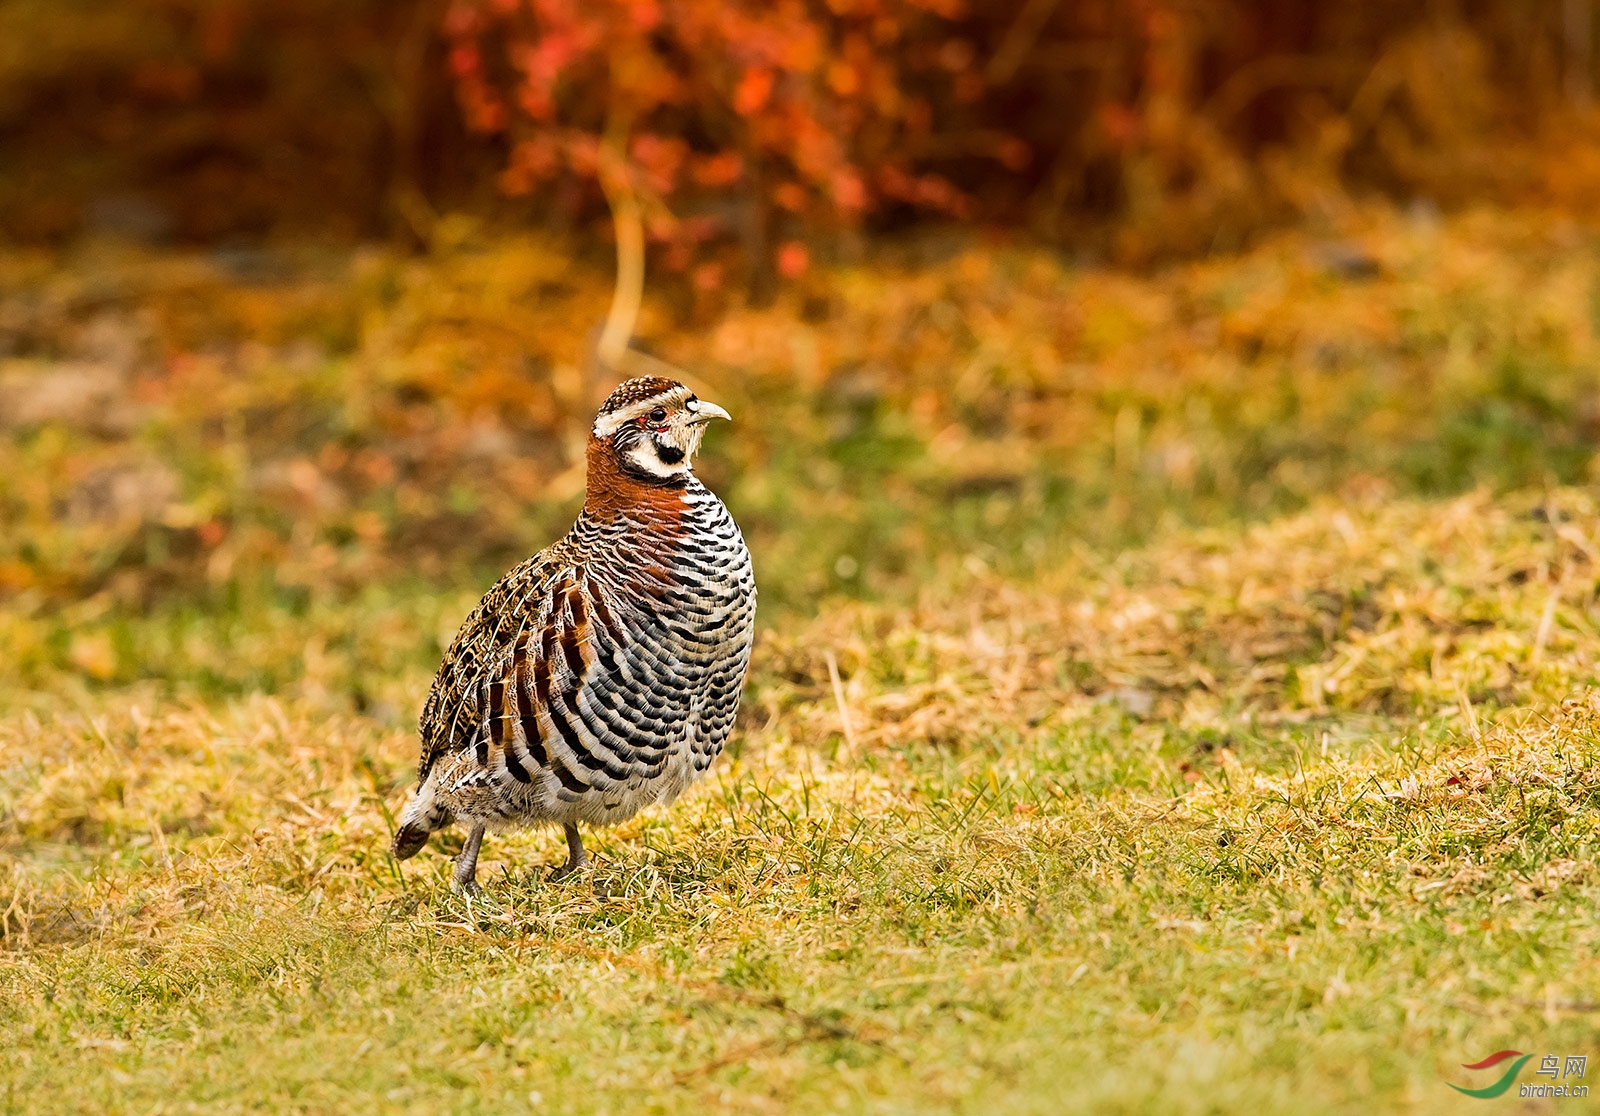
[1144, 128]
[1189, 124]
[813, 112]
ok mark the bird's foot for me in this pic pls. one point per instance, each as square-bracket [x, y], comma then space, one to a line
[570, 867]
[576, 858]
[464, 880]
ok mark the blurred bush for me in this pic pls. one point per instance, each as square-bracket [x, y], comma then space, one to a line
[1177, 126]
[211, 119]
[1140, 129]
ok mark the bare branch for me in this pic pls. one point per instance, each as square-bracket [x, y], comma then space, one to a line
[628, 222]
[627, 219]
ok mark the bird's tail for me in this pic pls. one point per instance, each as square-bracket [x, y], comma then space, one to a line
[422, 816]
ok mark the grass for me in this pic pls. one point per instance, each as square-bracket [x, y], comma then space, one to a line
[1223, 755]
[1313, 896]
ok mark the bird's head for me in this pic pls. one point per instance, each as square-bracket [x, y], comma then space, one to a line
[651, 429]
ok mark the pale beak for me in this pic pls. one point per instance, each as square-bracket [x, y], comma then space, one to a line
[705, 412]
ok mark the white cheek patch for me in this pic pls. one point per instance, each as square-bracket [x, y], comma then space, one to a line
[607, 425]
[643, 456]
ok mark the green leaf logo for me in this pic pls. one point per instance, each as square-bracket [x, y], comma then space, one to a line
[1505, 1081]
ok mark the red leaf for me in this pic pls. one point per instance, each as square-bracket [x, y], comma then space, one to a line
[721, 169]
[707, 277]
[754, 89]
[793, 260]
[848, 190]
[1014, 154]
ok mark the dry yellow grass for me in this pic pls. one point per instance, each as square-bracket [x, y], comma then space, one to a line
[1290, 817]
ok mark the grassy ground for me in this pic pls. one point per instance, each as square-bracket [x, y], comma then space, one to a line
[1197, 746]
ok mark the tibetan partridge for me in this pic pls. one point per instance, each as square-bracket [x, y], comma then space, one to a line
[601, 675]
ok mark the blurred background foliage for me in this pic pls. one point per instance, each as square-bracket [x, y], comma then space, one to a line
[298, 302]
[191, 456]
[1140, 129]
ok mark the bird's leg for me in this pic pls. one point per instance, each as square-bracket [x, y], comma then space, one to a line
[576, 857]
[466, 873]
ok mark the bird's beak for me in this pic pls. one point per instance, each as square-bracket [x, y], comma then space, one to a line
[705, 412]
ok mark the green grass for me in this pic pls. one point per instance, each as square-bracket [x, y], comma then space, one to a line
[1008, 894]
[1217, 656]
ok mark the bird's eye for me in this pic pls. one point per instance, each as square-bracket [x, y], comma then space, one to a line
[658, 415]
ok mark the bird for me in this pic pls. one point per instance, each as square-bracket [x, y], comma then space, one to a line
[603, 674]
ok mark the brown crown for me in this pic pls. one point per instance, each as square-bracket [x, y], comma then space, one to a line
[631, 391]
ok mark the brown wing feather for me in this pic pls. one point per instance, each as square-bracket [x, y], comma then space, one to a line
[483, 655]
